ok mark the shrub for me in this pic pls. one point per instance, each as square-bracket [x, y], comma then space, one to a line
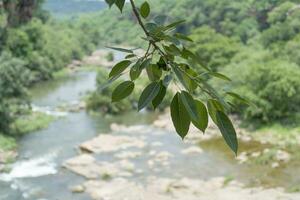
[110, 57]
[100, 100]
[13, 93]
[18, 43]
[214, 49]
[272, 84]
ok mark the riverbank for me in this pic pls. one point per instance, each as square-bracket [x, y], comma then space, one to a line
[282, 144]
[39, 118]
[25, 124]
[149, 162]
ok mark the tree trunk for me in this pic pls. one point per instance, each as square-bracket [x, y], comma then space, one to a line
[19, 11]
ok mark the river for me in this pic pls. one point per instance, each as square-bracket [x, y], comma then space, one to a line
[38, 173]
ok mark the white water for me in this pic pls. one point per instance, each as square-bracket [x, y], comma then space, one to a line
[48, 111]
[35, 167]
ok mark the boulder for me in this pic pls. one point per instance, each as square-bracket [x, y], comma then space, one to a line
[192, 150]
[283, 156]
[111, 143]
[86, 166]
[77, 189]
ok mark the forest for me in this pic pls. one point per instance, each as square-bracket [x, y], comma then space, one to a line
[256, 43]
[253, 42]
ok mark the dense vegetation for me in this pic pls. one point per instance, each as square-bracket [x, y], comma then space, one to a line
[33, 47]
[254, 42]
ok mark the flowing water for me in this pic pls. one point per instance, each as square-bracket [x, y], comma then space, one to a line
[37, 174]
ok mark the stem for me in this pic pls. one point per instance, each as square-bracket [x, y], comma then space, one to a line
[137, 15]
[139, 19]
[153, 43]
[147, 52]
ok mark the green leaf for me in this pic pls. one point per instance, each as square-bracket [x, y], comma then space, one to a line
[189, 103]
[202, 122]
[180, 116]
[227, 130]
[110, 2]
[146, 63]
[185, 80]
[135, 71]
[122, 91]
[238, 97]
[213, 106]
[121, 49]
[151, 27]
[145, 9]
[167, 80]
[219, 75]
[173, 40]
[148, 95]
[192, 85]
[119, 68]
[183, 37]
[130, 56]
[154, 72]
[160, 96]
[173, 25]
[160, 19]
[173, 50]
[195, 58]
[162, 64]
[120, 4]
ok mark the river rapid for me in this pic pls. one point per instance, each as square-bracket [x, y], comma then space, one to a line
[38, 173]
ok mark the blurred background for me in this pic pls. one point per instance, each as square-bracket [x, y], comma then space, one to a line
[61, 138]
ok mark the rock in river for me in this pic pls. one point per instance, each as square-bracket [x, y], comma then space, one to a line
[111, 143]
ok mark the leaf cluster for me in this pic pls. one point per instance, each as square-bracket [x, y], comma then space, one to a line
[168, 63]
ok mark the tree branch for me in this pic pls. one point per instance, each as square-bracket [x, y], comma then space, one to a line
[138, 17]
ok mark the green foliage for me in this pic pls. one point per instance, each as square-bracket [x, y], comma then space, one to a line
[214, 49]
[101, 99]
[167, 56]
[148, 95]
[31, 121]
[119, 68]
[145, 9]
[202, 122]
[227, 130]
[271, 84]
[33, 50]
[13, 80]
[7, 143]
[110, 57]
[122, 91]
[180, 116]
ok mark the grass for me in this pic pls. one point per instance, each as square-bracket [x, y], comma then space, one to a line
[106, 177]
[228, 179]
[61, 73]
[294, 189]
[277, 133]
[7, 143]
[266, 158]
[24, 125]
[32, 122]
[281, 137]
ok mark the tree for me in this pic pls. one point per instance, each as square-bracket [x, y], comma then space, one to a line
[167, 59]
[20, 11]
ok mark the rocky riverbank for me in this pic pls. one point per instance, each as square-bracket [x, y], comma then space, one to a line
[275, 153]
[137, 162]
